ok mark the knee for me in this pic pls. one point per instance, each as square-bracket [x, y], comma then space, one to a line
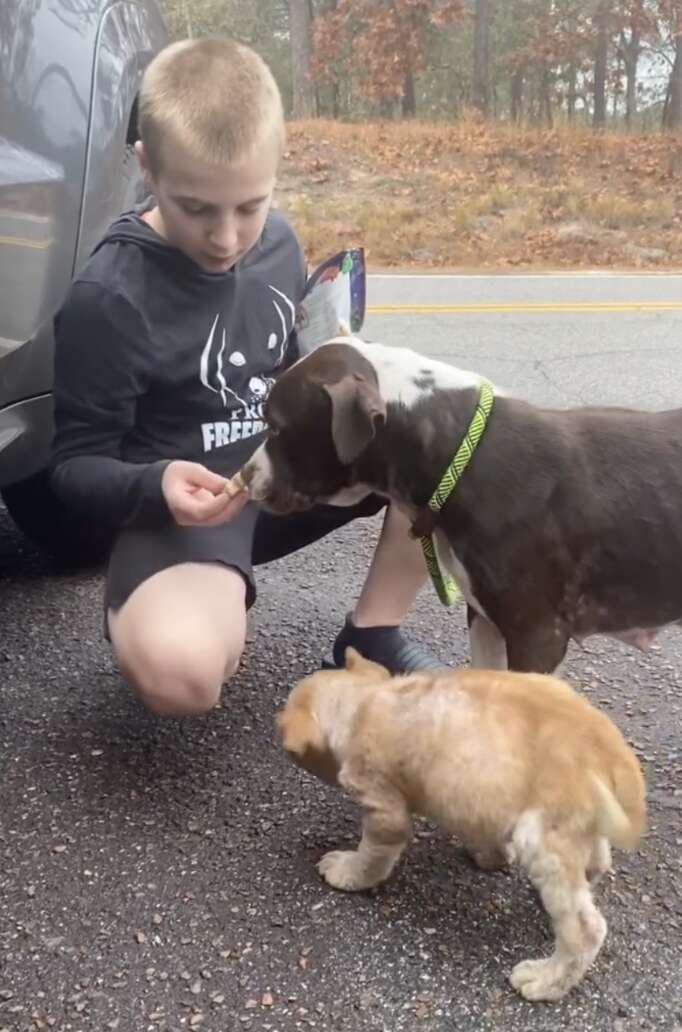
[178, 678]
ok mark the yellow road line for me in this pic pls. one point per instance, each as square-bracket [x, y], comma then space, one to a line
[24, 216]
[530, 306]
[40, 245]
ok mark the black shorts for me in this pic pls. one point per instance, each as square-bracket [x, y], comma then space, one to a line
[252, 538]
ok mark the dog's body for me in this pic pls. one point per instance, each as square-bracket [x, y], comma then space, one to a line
[566, 523]
[512, 762]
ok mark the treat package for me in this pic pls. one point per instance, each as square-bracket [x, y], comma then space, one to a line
[333, 304]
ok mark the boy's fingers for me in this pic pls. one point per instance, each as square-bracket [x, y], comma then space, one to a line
[204, 508]
[213, 482]
[234, 506]
[213, 511]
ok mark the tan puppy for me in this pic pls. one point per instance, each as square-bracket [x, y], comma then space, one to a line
[512, 763]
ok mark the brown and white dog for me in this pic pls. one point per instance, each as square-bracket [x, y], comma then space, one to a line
[508, 762]
[566, 523]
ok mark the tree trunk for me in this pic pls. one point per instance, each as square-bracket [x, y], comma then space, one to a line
[546, 98]
[408, 100]
[571, 93]
[600, 65]
[673, 108]
[631, 54]
[481, 90]
[517, 96]
[300, 21]
[336, 106]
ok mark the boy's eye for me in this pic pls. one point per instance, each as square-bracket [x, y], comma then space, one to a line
[253, 210]
[193, 209]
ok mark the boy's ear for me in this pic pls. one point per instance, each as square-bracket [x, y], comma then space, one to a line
[357, 664]
[143, 161]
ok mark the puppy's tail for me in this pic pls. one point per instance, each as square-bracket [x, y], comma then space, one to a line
[620, 811]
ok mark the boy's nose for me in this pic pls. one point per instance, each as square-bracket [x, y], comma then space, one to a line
[223, 236]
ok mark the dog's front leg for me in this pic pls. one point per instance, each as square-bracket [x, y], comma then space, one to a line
[487, 646]
[386, 831]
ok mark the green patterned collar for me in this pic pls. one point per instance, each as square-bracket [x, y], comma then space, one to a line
[444, 583]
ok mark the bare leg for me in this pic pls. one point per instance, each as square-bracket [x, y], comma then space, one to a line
[180, 636]
[396, 575]
[556, 866]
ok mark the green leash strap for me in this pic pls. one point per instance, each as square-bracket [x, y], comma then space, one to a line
[445, 585]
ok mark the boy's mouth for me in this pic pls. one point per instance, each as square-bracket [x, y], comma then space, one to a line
[220, 261]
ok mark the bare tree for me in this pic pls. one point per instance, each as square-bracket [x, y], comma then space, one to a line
[601, 56]
[672, 111]
[516, 94]
[481, 77]
[300, 29]
[630, 50]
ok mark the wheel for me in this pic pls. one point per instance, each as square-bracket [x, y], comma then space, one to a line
[41, 516]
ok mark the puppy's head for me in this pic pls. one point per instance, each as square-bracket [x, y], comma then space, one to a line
[322, 414]
[302, 733]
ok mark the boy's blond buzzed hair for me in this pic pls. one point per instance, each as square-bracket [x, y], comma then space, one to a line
[215, 97]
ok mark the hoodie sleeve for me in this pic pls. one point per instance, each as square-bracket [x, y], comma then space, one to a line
[102, 354]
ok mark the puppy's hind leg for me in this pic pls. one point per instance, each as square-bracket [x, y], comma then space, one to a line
[386, 832]
[599, 862]
[556, 864]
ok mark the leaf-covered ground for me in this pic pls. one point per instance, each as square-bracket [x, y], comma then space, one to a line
[471, 195]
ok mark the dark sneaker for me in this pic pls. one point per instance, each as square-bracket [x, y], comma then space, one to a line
[384, 645]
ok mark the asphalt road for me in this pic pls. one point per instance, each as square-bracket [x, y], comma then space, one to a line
[159, 875]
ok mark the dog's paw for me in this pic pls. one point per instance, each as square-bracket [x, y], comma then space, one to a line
[540, 979]
[343, 870]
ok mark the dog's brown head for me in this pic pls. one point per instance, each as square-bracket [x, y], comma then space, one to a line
[322, 414]
[301, 724]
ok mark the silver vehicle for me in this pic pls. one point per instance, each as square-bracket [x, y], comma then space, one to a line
[69, 75]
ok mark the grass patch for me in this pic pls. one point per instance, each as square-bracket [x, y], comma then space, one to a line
[472, 194]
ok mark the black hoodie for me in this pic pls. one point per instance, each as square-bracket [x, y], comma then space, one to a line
[157, 360]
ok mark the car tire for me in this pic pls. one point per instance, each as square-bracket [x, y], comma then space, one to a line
[43, 519]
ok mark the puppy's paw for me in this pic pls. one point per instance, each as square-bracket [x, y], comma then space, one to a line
[343, 870]
[540, 979]
[491, 859]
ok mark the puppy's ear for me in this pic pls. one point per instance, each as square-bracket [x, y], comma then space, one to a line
[303, 740]
[299, 730]
[357, 410]
[357, 664]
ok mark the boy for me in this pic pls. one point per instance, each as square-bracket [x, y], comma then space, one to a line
[166, 347]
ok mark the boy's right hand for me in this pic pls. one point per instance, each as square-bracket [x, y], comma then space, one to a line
[196, 497]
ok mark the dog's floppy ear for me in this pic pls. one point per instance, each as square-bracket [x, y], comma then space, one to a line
[303, 740]
[356, 663]
[357, 410]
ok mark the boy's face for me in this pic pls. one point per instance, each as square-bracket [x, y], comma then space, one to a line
[213, 213]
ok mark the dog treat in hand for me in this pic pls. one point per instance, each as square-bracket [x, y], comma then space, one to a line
[234, 486]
